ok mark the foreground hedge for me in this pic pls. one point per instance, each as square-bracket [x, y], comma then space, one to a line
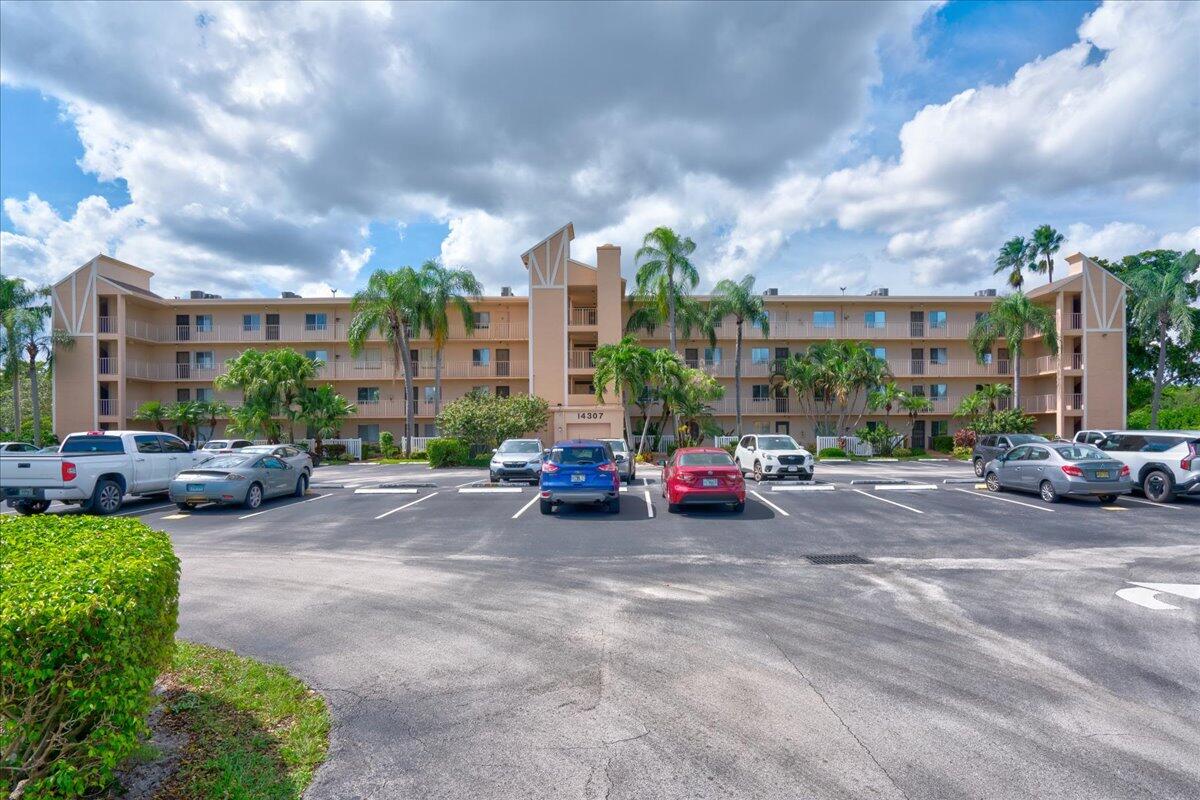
[87, 620]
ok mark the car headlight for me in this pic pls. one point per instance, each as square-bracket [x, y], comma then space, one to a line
[537, 462]
[769, 456]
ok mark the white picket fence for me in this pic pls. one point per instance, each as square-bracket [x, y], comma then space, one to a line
[852, 444]
[721, 441]
[353, 446]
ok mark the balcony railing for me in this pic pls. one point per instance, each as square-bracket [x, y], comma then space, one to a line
[393, 409]
[1076, 361]
[330, 332]
[582, 359]
[107, 407]
[583, 315]
[1074, 321]
[1074, 402]
[954, 367]
[1040, 403]
[107, 366]
[107, 325]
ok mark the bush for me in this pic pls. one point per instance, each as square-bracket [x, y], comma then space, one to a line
[730, 448]
[88, 611]
[484, 419]
[1185, 418]
[964, 437]
[331, 452]
[942, 444]
[1013, 420]
[832, 452]
[448, 453]
[962, 453]
[902, 452]
[387, 444]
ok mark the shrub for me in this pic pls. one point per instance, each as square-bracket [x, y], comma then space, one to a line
[484, 419]
[419, 454]
[329, 452]
[902, 452]
[962, 453]
[832, 452]
[1184, 417]
[730, 448]
[87, 621]
[881, 438]
[448, 453]
[917, 451]
[1012, 420]
[387, 444]
[942, 444]
[964, 437]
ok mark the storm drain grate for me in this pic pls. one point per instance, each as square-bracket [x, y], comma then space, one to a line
[837, 558]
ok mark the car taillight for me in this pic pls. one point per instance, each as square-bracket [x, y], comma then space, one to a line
[1190, 458]
[687, 477]
[607, 467]
[1071, 469]
[548, 466]
[68, 471]
[1124, 471]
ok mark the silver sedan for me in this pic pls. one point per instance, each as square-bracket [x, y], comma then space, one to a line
[287, 453]
[237, 478]
[1059, 469]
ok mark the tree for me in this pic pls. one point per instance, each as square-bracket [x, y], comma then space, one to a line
[665, 274]
[187, 415]
[1015, 257]
[483, 419]
[445, 288]
[392, 303]
[152, 411]
[915, 405]
[1010, 318]
[666, 371]
[17, 303]
[1044, 243]
[271, 382]
[1160, 306]
[690, 397]
[625, 366]
[212, 410]
[738, 299]
[886, 397]
[38, 342]
[833, 382]
[325, 410]
[993, 393]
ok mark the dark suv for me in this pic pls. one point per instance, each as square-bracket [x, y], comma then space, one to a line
[997, 444]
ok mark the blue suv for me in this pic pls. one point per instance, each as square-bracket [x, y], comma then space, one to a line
[580, 471]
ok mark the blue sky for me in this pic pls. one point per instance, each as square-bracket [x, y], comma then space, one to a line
[296, 163]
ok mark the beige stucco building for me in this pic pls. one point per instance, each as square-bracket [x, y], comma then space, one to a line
[132, 345]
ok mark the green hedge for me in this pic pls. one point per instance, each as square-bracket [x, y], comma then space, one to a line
[832, 452]
[87, 621]
[448, 453]
[1181, 418]
[942, 444]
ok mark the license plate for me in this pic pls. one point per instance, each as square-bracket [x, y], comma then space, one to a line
[709, 483]
[578, 477]
[195, 487]
[1102, 473]
[24, 492]
[792, 469]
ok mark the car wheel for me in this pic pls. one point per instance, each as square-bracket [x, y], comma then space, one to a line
[545, 506]
[738, 508]
[613, 506]
[1157, 486]
[1048, 492]
[26, 508]
[106, 498]
[992, 481]
[254, 496]
[184, 506]
[491, 477]
[301, 485]
[758, 473]
[1108, 498]
[672, 508]
[807, 477]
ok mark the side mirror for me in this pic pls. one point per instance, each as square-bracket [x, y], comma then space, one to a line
[495, 449]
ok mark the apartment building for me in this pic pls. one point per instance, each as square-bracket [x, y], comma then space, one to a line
[133, 345]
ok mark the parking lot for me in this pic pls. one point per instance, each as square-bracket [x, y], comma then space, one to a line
[962, 644]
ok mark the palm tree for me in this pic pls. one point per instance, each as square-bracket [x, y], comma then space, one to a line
[36, 341]
[1010, 318]
[16, 299]
[886, 397]
[1014, 258]
[665, 273]
[690, 399]
[187, 415]
[993, 393]
[152, 411]
[1044, 243]
[445, 288]
[625, 366]
[212, 410]
[392, 303]
[325, 410]
[1160, 305]
[971, 406]
[738, 299]
[272, 382]
[666, 371]
[915, 405]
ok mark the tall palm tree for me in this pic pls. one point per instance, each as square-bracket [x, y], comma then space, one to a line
[886, 397]
[665, 273]
[993, 393]
[1160, 305]
[625, 366]
[187, 414]
[1044, 243]
[152, 411]
[212, 410]
[325, 410]
[738, 299]
[392, 303]
[666, 372]
[15, 300]
[1011, 318]
[915, 405]
[1014, 258]
[36, 342]
[445, 288]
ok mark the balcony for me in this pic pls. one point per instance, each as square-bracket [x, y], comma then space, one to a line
[106, 325]
[107, 407]
[583, 316]
[954, 367]
[166, 371]
[392, 409]
[1073, 402]
[106, 366]
[330, 332]
[1040, 404]
[582, 359]
[1073, 322]
[1076, 361]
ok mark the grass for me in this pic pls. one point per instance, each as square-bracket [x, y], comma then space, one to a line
[255, 730]
[397, 461]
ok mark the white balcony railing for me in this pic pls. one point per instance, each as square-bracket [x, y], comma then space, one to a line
[1076, 361]
[304, 332]
[106, 366]
[582, 359]
[107, 407]
[1074, 322]
[107, 325]
[1040, 403]
[583, 315]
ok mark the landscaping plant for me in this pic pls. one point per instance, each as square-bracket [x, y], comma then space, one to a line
[483, 419]
[448, 453]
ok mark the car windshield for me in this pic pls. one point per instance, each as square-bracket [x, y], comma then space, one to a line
[705, 460]
[580, 454]
[92, 444]
[520, 446]
[777, 443]
[617, 445]
[1026, 438]
[217, 444]
[226, 462]
[1081, 452]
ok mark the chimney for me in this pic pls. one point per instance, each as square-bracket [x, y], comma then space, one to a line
[506, 291]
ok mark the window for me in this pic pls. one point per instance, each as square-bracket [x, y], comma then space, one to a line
[92, 444]
[1017, 453]
[918, 390]
[875, 319]
[824, 319]
[481, 356]
[183, 395]
[205, 359]
[368, 433]
[371, 358]
[204, 395]
[368, 395]
[430, 393]
[937, 319]
[760, 391]
[483, 319]
[251, 322]
[987, 357]
[712, 355]
[502, 391]
[747, 442]
[937, 355]
[320, 356]
[937, 391]
[939, 427]
[173, 444]
[204, 323]
[148, 444]
[314, 322]
[760, 355]
[880, 353]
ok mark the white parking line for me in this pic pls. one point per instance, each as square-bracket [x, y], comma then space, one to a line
[490, 490]
[885, 500]
[903, 487]
[994, 496]
[811, 487]
[144, 510]
[406, 505]
[525, 507]
[289, 505]
[769, 503]
[385, 491]
[1163, 506]
[649, 505]
[469, 483]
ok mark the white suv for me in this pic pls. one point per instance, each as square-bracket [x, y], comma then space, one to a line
[775, 454]
[1163, 463]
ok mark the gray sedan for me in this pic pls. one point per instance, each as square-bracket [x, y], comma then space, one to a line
[237, 478]
[287, 453]
[1054, 470]
[626, 467]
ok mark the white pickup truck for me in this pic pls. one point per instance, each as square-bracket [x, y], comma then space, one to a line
[95, 470]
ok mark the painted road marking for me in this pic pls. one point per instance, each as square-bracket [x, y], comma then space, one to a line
[490, 490]
[979, 486]
[769, 503]
[144, 510]
[812, 487]
[649, 505]
[385, 491]
[289, 505]
[906, 487]
[525, 507]
[993, 496]
[177, 516]
[885, 500]
[406, 505]
[1163, 506]
[469, 483]
[1143, 594]
[1113, 508]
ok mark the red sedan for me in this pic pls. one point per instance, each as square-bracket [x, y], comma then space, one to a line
[697, 476]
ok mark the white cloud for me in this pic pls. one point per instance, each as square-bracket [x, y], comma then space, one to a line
[1186, 240]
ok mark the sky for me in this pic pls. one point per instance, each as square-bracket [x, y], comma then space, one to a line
[252, 148]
